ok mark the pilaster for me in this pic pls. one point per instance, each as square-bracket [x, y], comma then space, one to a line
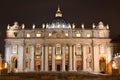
[46, 57]
[53, 58]
[70, 57]
[7, 52]
[32, 58]
[74, 58]
[42, 58]
[84, 57]
[20, 57]
[63, 57]
[96, 58]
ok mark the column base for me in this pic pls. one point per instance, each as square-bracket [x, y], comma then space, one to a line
[46, 70]
[63, 70]
[75, 70]
[20, 70]
[53, 70]
[41, 70]
[70, 70]
[32, 70]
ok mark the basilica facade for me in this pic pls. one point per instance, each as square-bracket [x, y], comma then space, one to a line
[57, 46]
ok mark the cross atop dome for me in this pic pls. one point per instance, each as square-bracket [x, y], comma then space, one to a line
[58, 13]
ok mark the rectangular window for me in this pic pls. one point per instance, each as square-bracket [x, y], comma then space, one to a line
[50, 50]
[102, 49]
[88, 35]
[50, 34]
[78, 50]
[14, 49]
[66, 34]
[28, 35]
[58, 50]
[38, 49]
[101, 34]
[38, 35]
[78, 35]
[66, 50]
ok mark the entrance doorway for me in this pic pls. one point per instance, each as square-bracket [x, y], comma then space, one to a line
[50, 67]
[14, 64]
[79, 66]
[37, 65]
[102, 63]
[66, 67]
[58, 65]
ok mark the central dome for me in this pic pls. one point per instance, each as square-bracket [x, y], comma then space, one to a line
[58, 21]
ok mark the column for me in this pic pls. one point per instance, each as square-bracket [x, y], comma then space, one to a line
[8, 56]
[53, 58]
[96, 58]
[7, 52]
[46, 57]
[20, 57]
[109, 58]
[32, 58]
[84, 57]
[74, 58]
[42, 58]
[63, 57]
[109, 53]
[70, 57]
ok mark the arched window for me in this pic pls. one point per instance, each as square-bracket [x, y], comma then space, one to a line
[101, 34]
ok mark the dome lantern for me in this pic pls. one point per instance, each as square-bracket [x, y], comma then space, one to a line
[58, 13]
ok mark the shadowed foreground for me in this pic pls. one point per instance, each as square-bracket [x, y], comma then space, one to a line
[58, 76]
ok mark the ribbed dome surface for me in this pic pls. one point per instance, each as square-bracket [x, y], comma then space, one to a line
[58, 22]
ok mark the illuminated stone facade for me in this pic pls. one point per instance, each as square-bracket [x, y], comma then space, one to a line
[116, 63]
[58, 46]
[116, 53]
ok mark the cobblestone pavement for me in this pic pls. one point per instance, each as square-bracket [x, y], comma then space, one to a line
[58, 76]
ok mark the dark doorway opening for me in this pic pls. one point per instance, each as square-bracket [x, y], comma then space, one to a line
[50, 67]
[58, 67]
[66, 67]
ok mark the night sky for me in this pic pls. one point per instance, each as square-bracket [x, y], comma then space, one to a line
[75, 11]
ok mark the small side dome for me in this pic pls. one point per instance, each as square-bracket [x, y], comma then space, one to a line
[100, 25]
[15, 26]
